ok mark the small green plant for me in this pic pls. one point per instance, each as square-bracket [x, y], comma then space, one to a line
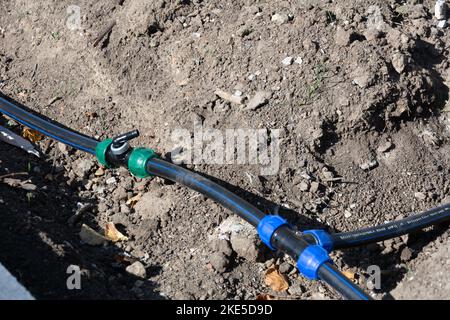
[319, 75]
[55, 35]
[30, 196]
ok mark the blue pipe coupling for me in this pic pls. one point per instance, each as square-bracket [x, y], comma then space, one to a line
[267, 227]
[310, 261]
[322, 237]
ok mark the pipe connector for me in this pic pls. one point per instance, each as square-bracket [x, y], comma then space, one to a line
[267, 227]
[137, 161]
[322, 238]
[310, 261]
[101, 151]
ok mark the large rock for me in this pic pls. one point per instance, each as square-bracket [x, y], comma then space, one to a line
[242, 236]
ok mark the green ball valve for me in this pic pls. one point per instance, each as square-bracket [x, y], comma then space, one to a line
[119, 152]
[101, 150]
[138, 160]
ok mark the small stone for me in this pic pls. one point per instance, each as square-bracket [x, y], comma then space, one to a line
[137, 269]
[363, 77]
[298, 60]
[90, 236]
[269, 263]
[314, 187]
[154, 43]
[369, 165]
[406, 254]
[342, 37]
[229, 97]
[399, 62]
[295, 289]
[441, 24]
[219, 262]
[124, 209]
[245, 247]
[308, 44]
[347, 214]
[440, 9]
[259, 99]
[304, 186]
[83, 167]
[420, 196]
[328, 175]
[385, 147]
[287, 61]
[372, 34]
[221, 246]
[280, 18]
[120, 193]
[285, 267]
[111, 180]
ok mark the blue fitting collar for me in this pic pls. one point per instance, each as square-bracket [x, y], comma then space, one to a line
[322, 237]
[267, 227]
[310, 260]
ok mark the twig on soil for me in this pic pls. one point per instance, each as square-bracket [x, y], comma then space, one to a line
[34, 71]
[339, 179]
[104, 33]
[13, 174]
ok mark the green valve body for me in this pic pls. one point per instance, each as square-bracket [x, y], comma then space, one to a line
[137, 158]
[100, 151]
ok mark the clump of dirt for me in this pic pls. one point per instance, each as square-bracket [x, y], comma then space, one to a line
[359, 91]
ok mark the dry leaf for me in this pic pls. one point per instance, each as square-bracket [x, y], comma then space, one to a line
[275, 280]
[349, 274]
[133, 200]
[113, 234]
[32, 135]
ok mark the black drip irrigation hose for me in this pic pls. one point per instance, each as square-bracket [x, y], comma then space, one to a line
[47, 127]
[391, 229]
[210, 189]
[308, 249]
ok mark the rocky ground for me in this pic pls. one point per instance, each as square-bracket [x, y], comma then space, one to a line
[359, 90]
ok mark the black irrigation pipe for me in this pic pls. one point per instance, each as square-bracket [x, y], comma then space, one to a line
[308, 249]
[391, 229]
[47, 127]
